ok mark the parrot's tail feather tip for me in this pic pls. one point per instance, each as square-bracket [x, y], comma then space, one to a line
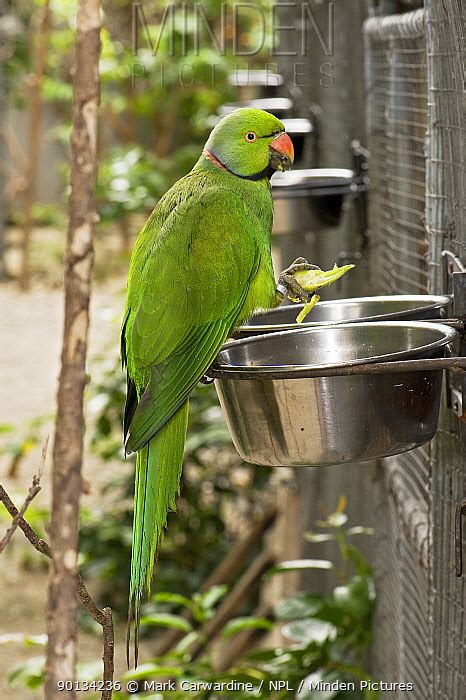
[128, 641]
[133, 618]
[128, 634]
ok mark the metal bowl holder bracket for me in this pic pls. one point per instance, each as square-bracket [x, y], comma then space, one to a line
[454, 282]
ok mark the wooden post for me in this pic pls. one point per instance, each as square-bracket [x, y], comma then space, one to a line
[285, 540]
[68, 446]
[36, 109]
[3, 56]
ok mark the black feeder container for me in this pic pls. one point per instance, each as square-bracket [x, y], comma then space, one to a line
[300, 131]
[309, 213]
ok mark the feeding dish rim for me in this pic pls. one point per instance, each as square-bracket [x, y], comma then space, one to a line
[447, 334]
[439, 301]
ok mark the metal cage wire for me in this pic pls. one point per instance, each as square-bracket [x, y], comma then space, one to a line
[397, 123]
[416, 137]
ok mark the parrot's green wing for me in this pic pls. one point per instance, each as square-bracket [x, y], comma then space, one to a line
[172, 381]
[194, 285]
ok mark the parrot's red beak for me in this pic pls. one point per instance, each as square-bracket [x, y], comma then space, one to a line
[282, 152]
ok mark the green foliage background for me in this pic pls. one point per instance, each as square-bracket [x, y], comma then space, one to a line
[327, 636]
[157, 102]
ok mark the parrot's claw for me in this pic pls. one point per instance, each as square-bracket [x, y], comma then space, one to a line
[301, 264]
[292, 288]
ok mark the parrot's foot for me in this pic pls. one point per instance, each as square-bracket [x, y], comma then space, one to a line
[287, 284]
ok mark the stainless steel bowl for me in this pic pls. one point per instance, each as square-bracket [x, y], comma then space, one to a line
[255, 84]
[359, 309]
[277, 420]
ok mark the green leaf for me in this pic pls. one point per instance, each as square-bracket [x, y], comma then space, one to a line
[210, 598]
[239, 624]
[260, 655]
[175, 622]
[358, 530]
[357, 597]
[175, 598]
[354, 555]
[329, 611]
[308, 693]
[298, 606]
[307, 631]
[56, 90]
[184, 644]
[30, 673]
[151, 669]
[26, 640]
[318, 537]
[299, 565]
[311, 280]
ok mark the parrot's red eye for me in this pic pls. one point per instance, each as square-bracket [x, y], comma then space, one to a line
[250, 136]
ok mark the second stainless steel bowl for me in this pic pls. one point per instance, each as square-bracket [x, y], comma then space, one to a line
[398, 307]
[277, 420]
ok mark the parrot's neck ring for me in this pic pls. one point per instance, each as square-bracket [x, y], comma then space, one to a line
[213, 159]
[266, 172]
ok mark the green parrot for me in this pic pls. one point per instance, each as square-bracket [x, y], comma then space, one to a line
[200, 267]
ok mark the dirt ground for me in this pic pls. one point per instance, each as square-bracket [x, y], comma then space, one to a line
[30, 332]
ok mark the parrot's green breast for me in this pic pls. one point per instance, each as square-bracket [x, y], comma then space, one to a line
[201, 266]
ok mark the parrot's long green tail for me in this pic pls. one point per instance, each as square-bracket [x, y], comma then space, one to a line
[158, 472]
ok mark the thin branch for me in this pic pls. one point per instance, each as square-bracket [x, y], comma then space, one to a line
[38, 543]
[32, 493]
[102, 616]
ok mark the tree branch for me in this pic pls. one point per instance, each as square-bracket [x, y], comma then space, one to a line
[32, 493]
[102, 616]
[38, 543]
[69, 426]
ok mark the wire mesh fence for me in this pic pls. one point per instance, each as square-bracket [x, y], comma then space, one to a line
[397, 122]
[416, 138]
[445, 224]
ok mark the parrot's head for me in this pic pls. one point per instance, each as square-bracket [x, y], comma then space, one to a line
[251, 144]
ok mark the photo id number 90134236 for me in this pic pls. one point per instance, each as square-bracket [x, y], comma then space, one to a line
[85, 686]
